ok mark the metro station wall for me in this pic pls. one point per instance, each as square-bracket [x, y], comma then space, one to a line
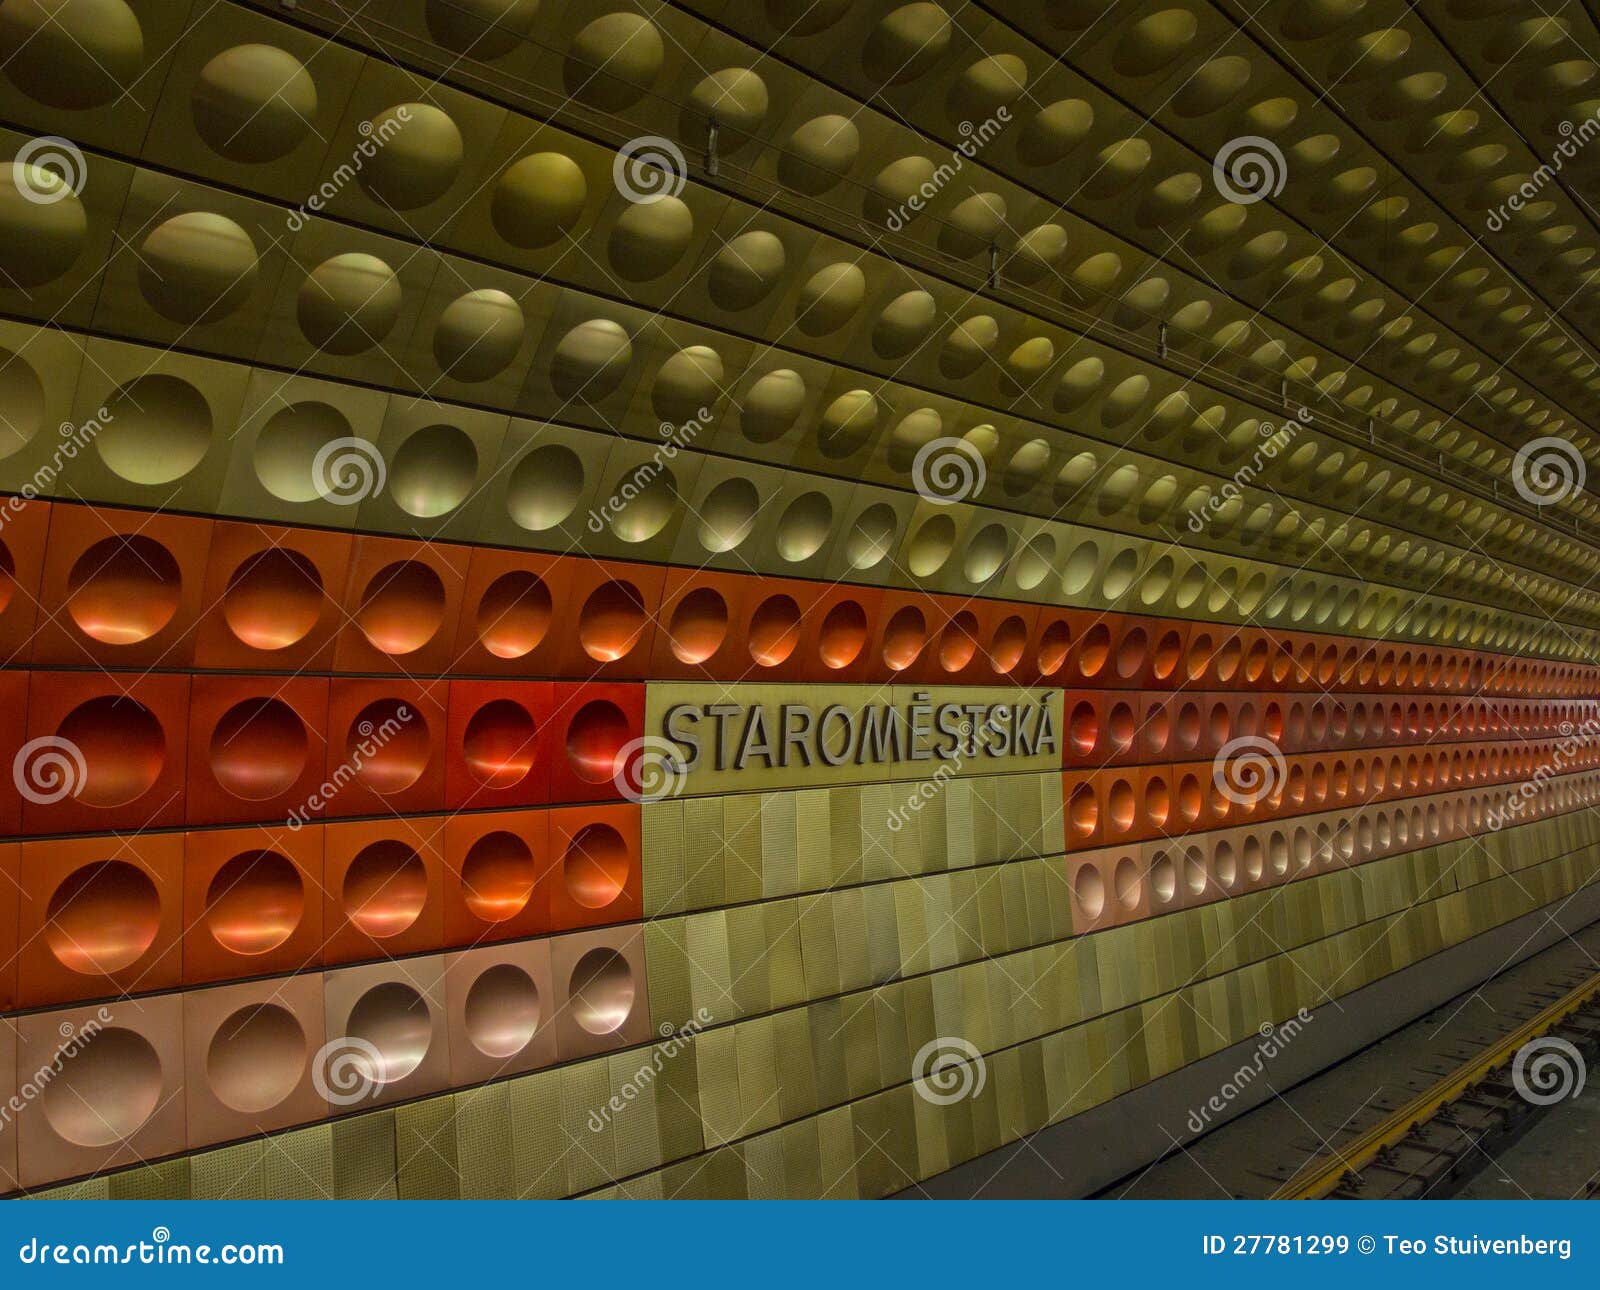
[353, 766]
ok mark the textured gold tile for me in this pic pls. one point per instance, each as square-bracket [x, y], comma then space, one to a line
[588, 1152]
[747, 959]
[364, 1165]
[299, 1165]
[484, 1156]
[710, 965]
[425, 1146]
[850, 939]
[668, 972]
[760, 1104]
[741, 848]
[664, 847]
[231, 1173]
[632, 1109]
[705, 856]
[717, 1060]
[780, 844]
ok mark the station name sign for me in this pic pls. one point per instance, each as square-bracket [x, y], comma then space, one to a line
[725, 737]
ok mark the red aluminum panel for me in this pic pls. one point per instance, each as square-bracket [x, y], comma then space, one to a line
[386, 741]
[273, 597]
[497, 876]
[383, 888]
[24, 532]
[257, 747]
[402, 604]
[498, 745]
[123, 588]
[99, 917]
[512, 613]
[594, 725]
[107, 751]
[253, 901]
[596, 866]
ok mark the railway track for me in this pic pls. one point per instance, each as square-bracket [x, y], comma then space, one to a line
[1420, 1113]
[1459, 1124]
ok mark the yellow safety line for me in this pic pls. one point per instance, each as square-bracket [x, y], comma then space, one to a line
[1429, 1102]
